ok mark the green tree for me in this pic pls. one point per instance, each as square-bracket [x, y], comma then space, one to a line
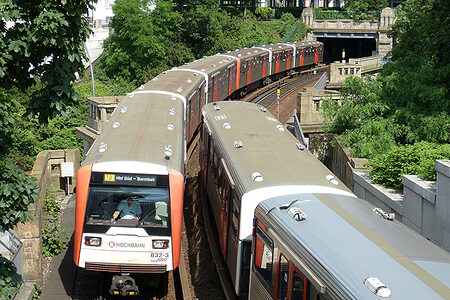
[365, 5]
[417, 79]
[143, 36]
[43, 40]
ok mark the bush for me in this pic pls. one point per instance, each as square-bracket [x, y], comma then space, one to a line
[51, 242]
[264, 12]
[388, 168]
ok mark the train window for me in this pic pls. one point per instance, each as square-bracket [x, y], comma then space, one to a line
[136, 206]
[235, 216]
[263, 256]
[299, 286]
[283, 277]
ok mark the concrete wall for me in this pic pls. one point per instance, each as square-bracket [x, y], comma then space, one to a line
[50, 184]
[424, 206]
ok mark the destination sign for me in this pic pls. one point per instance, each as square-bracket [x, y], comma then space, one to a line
[130, 179]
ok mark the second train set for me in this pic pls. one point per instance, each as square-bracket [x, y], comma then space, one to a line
[130, 187]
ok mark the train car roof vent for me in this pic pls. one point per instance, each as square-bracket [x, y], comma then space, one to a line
[203, 70]
[213, 65]
[332, 179]
[189, 80]
[141, 87]
[280, 127]
[263, 109]
[116, 125]
[131, 95]
[102, 147]
[299, 146]
[238, 144]
[195, 74]
[124, 109]
[170, 127]
[239, 55]
[173, 98]
[156, 78]
[172, 111]
[179, 89]
[297, 214]
[168, 150]
[377, 287]
[383, 214]
[216, 107]
[226, 125]
[249, 53]
[164, 72]
[257, 177]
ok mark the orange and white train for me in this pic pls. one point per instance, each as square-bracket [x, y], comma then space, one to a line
[130, 187]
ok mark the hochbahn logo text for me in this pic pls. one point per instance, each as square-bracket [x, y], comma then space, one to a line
[126, 245]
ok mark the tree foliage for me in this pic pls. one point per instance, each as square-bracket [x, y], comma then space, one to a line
[43, 40]
[388, 168]
[365, 5]
[399, 119]
[150, 39]
[9, 279]
[417, 79]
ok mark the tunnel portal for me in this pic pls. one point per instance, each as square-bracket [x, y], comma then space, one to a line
[354, 48]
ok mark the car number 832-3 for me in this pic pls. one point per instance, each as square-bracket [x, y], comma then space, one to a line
[159, 254]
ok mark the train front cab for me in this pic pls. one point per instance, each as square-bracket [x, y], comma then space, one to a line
[128, 247]
[275, 275]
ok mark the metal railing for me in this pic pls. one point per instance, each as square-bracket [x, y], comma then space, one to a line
[11, 249]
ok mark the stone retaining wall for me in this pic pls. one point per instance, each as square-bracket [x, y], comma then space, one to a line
[50, 184]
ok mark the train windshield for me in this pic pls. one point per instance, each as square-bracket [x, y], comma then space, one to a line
[128, 206]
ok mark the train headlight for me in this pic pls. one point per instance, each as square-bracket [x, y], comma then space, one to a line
[92, 241]
[160, 244]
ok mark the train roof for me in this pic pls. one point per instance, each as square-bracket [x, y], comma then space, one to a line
[344, 242]
[277, 47]
[209, 65]
[307, 43]
[247, 53]
[142, 129]
[269, 154]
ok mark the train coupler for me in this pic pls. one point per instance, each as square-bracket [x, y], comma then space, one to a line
[124, 285]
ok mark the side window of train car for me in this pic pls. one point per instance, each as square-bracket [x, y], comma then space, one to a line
[235, 216]
[263, 256]
[299, 286]
[283, 277]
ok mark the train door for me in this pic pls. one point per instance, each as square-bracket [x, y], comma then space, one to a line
[205, 145]
[288, 59]
[316, 55]
[231, 71]
[202, 99]
[225, 196]
[302, 57]
[277, 62]
[249, 71]
[282, 278]
[299, 285]
[264, 66]
[191, 114]
[215, 87]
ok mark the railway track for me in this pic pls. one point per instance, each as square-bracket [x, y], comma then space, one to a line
[287, 87]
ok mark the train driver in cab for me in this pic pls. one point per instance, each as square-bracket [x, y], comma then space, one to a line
[128, 210]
